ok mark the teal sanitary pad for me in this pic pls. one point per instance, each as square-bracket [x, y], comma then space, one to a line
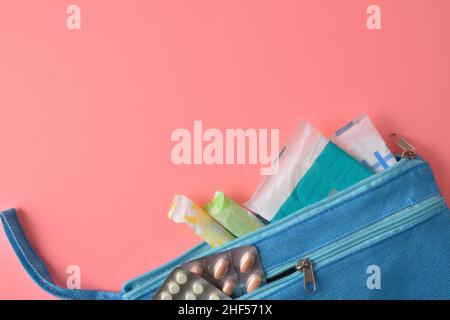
[333, 170]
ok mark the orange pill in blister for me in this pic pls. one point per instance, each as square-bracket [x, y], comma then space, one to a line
[228, 287]
[221, 268]
[253, 282]
[246, 262]
[197, 269]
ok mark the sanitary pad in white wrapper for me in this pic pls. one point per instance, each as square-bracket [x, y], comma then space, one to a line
[295, 160]
[361, 140]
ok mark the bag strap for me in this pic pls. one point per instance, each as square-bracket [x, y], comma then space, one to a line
[36, 267]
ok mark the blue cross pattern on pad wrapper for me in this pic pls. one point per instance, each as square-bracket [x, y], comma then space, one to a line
[380, 160]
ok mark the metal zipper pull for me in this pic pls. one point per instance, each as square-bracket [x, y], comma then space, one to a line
[408, 150]
[305, 266]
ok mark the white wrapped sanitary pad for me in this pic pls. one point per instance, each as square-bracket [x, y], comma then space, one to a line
[361, 140]
[295, 159]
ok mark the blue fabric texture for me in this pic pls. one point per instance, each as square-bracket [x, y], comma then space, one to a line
[413, 265]
[407, 240]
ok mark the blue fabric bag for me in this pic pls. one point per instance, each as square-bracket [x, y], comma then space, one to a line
[387, 237]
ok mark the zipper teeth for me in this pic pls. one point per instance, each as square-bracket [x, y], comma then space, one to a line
[327, 254]
[148, 286]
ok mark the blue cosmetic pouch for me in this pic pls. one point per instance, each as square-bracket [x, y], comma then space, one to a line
[387, 237]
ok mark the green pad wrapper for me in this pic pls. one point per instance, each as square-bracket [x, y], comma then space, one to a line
[236, 219]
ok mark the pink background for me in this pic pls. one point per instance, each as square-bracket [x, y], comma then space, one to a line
[86, 116]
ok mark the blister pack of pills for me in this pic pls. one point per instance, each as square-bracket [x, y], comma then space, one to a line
[182, 284]
[235, 272]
